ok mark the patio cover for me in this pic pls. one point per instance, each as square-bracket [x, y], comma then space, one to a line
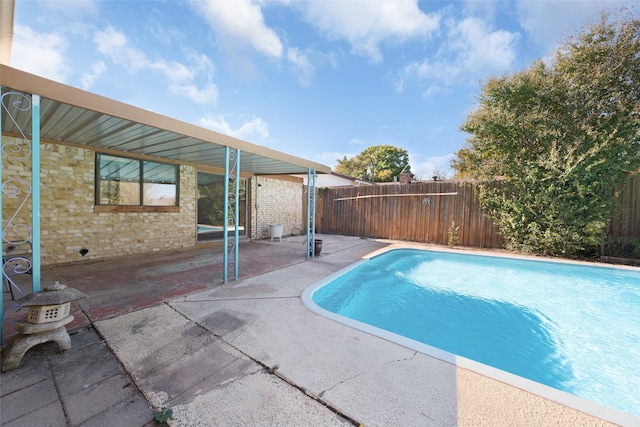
[71, 116]
[76, 117]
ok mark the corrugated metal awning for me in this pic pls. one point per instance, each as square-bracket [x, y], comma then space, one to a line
[73, 116]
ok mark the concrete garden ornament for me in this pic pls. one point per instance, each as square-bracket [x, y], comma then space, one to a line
[45, 322]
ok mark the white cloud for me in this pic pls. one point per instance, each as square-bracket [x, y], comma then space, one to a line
[254, 130]
[472, 48]
[479, 48]
[550, 22]
[88, 79]
[163, 29]
[330, 158]
[41, 54]
[199, 64]
[172, 70]
[240, 22]
[437, 73]
[365, 25]
[431, 90]
[302, 65]
[115, 46]
[204, 95]
[424, 167]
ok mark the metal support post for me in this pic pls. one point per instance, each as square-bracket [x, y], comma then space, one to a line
[14, 231]
[236, 215]
[311, 216]
[225, 219]
[35, 196]
[232, 180]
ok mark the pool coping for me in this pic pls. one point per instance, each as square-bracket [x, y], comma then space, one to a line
[564, 398]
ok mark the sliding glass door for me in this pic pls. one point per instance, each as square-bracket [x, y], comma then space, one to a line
[211, 207]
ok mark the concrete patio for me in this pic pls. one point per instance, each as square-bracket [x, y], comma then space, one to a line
[163, 331]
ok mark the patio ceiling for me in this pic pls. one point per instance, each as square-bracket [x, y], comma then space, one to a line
[73, 116]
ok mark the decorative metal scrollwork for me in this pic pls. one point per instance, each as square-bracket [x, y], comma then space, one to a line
[14, 232]
[12, 149]
[16, 236]
[231, 198]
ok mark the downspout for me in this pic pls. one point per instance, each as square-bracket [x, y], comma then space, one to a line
[7, 13]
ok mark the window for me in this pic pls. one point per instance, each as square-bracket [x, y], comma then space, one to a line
[130, 182]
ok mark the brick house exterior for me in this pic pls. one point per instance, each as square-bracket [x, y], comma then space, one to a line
[70, 223]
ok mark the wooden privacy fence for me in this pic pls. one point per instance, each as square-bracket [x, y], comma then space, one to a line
[417, 212]
[426, 212]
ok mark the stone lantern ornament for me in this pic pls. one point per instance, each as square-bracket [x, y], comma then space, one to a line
[48, 314]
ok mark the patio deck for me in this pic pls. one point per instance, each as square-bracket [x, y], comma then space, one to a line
[120, 285]
[162, 330]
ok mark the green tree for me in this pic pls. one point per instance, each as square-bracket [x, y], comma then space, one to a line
[562, 136]
[384, 161]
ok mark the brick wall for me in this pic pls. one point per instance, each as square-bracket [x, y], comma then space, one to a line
[68, 221]
[70, 224]
[276, 201]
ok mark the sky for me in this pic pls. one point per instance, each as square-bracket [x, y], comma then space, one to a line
[317, 79]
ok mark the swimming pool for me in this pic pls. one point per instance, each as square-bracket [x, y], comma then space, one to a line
[573, 327]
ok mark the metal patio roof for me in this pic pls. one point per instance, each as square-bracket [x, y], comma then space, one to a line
[72, 116]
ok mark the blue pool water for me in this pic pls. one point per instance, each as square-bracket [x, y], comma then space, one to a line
[572, 327]
[202, 228]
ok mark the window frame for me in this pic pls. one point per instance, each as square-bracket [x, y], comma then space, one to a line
[140, 207]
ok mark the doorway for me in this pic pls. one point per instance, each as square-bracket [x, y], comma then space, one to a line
[210, 210]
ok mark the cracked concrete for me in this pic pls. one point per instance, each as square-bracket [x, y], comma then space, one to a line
[207, 382]
[350, 373]
[338, 384]
[406, 359]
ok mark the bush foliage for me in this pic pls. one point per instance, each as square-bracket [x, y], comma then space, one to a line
[562, 135]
